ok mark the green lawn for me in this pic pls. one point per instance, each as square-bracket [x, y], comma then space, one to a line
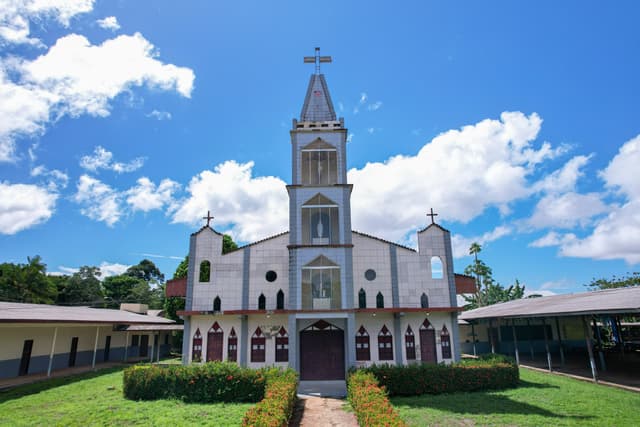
[96, 399]
[541, 400]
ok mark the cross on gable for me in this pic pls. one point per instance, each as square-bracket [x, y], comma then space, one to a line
[209, 217]
[317, 59]
[432, 215]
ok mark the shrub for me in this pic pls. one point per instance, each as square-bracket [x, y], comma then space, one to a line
[279, 398]
[370, 402]
[209, 382]
[492, 374]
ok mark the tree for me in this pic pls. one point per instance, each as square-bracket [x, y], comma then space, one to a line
[147, 271]
[228, 245]
[627, 281]
[83, 287]
[117, 289]
[27, 283]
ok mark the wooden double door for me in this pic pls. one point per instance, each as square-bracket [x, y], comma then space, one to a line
[322, 352]
[428, 346]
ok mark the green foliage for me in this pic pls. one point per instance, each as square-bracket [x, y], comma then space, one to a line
[627, 281]
[370, 402]
[228, 245]
[279, 399]
[472, 375]
[171, 306]
[205, 383]
[27, 283]
[147, 271]
[141, 283]
[83, 287]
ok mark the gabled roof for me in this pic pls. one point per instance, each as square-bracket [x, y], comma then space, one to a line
[433, 225]
[317, 105]
[383, 240]
[205, 227]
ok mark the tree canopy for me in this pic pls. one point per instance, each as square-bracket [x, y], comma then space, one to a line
[27, 282]
[627, 281]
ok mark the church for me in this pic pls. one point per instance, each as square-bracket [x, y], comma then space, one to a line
[320, 297]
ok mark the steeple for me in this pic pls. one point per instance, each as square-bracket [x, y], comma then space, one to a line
[317, 105]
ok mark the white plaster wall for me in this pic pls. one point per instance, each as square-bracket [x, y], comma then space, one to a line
[437, 320]
[373, 325]
[270, 343]
[373, 254]
[431, 242]
[204, 323]
[273, 255]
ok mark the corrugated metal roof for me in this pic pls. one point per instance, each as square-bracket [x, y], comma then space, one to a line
[609, 301]
[154, 328]
[18, 312]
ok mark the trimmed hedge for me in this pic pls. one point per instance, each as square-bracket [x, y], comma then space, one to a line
[206, 383]
[492, 373]
[279, 398]
[370, 402]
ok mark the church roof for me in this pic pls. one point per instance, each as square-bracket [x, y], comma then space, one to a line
[383, 240]
[317, 105]
[433, 225]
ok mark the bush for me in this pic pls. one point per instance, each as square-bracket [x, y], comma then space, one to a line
[370, 402]
[279, 398]
[209, 382]
[492, 374]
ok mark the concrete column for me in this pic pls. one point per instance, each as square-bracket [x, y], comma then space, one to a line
[153, 348]
[546, 343]
[587, 337]
[530, 340]
[95, 347]
[52, 353]
[473, 338]
[397, 330]
[603, 364]
[491, 337]
[126, 347]
[515, 341]
[560, 346]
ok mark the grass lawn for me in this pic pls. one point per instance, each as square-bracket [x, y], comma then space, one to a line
[96, 399]
[541, 400]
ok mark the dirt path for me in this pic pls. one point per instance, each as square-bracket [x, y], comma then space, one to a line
[313, 411]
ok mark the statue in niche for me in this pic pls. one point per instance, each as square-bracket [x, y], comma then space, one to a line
[320, 227]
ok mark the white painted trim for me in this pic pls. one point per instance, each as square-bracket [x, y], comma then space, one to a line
[95, 347]
[53, 347]
[322, 315]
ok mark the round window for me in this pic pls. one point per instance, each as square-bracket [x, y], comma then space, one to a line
[370, 275]
[271, 276]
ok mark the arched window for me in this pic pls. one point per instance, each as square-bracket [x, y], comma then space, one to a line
[385, 344]
[205, 271]
[362, 299]
[321, 285]
[217, 304]
[436, 268]
[280, 300]
[262, 302]
[215, 339]
[282, 346]
[445, 343]
[379, 300]
[319, 163]
[410, 344]
[424, 301]
[363, 351]
[257, 346]
[196, 349]
[232, 346]
[319, 221]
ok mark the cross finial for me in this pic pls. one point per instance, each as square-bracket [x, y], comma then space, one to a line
[432, 215]
[317, 59]
[209, 217]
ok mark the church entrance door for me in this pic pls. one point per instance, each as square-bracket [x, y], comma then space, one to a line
[427, 343]
[322, 352]
[214, 343]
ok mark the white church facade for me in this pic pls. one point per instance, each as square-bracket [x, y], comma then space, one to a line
[320, 297]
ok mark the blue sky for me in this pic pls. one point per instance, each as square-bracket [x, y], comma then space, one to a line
[121, 123]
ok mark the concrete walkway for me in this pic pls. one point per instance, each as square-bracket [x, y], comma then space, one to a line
[336, 389]
[311, 411]
[34, 378]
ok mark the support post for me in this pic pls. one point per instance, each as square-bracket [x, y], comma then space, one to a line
[52, 353]
[153, 347]
[530, 339]
[546, 343]
[126, 347]
[560, 346]
[603, 365]
[158, 349]
[473, 337]
[515, 341]
[587, 337]
[619, 327]
[95, 347]
[491, 338]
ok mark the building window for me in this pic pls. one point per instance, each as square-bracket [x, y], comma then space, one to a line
[445, 343]
[379, 300]
[271, 276]
[232, 346]
[135, 340]
[436, 268]
[321, 285]
[362, 299]
[205, 271]
[385, 345]
[410, 344]
[262, 302]
[196, 350]
[216, 304]
[370, 275]
[280, 300]
[257, 346]
[363, 352]
[282, 346]
[319, 165]
[319, 221]
[424, 301]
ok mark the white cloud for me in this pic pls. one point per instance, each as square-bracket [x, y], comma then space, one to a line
[55, 179]
[160, 115]
[75, 77]
[565, 178]
[375, 106]
[371, 130]
[24, 206]
[254, 207]
[350, 137]
[145, 196]
[553, 238]
[363, 98]
[460, 244]
[103, 159]
[109, 23]
[106, 268]
[619, 174]
[460, 173]
[98, 200]
[16, 14]
[567, 210]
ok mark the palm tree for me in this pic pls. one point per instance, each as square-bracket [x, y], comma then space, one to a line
[474, 250]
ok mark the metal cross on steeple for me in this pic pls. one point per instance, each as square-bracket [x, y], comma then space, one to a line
[209, 217]
[317, 59]
[432, 215]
